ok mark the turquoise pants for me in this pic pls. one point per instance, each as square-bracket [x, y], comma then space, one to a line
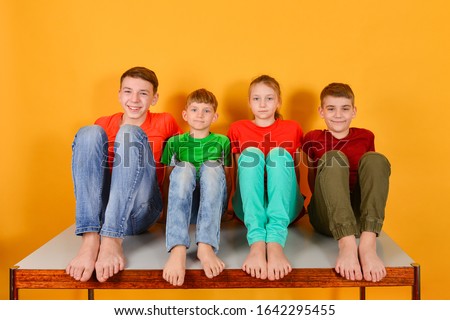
[267, 196]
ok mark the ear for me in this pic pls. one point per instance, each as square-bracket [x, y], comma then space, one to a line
[354, 112]
[216, 116]
[320, 110]
[184, 115]
[155, 98]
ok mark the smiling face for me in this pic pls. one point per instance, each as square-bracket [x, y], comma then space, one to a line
[338, 113]
[136, 96]
[199, 116]
[264, 102]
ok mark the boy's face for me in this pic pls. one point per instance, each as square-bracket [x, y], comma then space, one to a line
[338, 113]
[199, 116]
[136, 96]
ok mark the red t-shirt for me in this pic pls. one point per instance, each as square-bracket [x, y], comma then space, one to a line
[158, 126]
[354, 146]
[282, 133]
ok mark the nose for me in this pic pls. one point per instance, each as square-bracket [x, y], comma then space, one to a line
[135, 96]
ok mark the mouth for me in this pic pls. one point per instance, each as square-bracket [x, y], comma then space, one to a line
[134, 109]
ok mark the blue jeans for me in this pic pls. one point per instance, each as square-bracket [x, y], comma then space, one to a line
[123, 201]
[200, 200]
[267, 196]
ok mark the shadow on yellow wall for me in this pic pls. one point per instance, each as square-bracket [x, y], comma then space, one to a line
[61, 63]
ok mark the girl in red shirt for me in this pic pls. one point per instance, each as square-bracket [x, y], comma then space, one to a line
[267, 197]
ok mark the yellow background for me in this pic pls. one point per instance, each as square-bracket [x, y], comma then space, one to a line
[60, 63]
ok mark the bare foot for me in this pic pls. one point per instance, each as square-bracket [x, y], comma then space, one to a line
[372, 266]
[347, 263]
[211, 263]
[278, 265]
[110, 258]
[82, 266]
[175, 267]
[256, 264]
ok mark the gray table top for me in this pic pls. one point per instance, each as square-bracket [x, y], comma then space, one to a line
[304, 249]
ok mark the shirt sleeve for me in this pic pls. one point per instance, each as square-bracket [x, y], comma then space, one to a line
[310, 145]
[226, 153]
[234, 142]
[168, 152]
[172, 126]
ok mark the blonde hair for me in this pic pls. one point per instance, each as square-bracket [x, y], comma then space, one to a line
[271, 83]
[202, 96]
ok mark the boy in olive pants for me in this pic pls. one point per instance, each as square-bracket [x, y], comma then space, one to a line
[349, 183]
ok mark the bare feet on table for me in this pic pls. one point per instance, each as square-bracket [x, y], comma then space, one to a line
[256, 262]
[278, 266]
[175, 267]
[372, 266]
[347, 263]
[82, 266]
[211, 263]
[110, 259]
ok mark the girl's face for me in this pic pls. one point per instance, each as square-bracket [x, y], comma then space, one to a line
[264, 101]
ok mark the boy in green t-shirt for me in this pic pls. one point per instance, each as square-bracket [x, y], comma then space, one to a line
[198, 164]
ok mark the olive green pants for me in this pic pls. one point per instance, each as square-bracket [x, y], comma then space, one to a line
[337, 212]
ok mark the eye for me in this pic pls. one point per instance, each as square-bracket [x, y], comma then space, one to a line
[144, 94]
[255, 98]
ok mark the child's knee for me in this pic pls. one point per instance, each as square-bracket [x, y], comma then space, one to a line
[91, 132]
[213, 169]
[91, 135]
[251, 157]
[184, 170]
[129, 132]
[279, 156]
[376, 160]
[334, 158]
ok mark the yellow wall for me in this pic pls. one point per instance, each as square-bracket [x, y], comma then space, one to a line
[60, 63]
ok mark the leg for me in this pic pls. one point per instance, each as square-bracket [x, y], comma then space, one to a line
[331, 213]
[90, 175]
[134, 201]
[213, 191]
[249, 205]
[374, 172]
[284, 204]
[181, 189]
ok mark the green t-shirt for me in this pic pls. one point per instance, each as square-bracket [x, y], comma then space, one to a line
[196, 151]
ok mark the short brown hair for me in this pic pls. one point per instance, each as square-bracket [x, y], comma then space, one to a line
[337, 89]
[141, 73]
[202, 96]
